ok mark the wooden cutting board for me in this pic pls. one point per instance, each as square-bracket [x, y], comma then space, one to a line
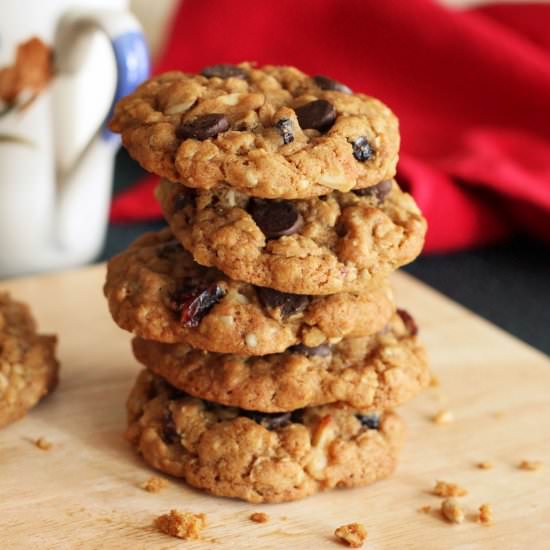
[84, 492]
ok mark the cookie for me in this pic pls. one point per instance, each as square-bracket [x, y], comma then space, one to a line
[369, 373]
[254, 456]
[342, 242]
[28, 367]
[158, 292]
[271, 132]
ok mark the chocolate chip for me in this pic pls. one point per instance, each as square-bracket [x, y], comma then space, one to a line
[362, 149]
[183, 198]
[408, 321]
[270, 421]
[275, 218]
[318, 115]
[380, 191]
[169, 432]
[285, 129]
[326, 83]
[224, 70]
[194, 302]
[166, 251]
[324, 350]
[289, 304]
[203, 127]
[370, 421]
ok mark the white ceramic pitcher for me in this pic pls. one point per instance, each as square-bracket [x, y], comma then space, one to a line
[56, 155]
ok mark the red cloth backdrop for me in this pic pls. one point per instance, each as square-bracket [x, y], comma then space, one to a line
[471, 89]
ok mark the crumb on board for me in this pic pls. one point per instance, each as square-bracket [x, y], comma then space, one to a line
[451, 511]
[352, 534]
[259, 517]
[485, 465]
[43, 443]
[434, 381]
[183, 525]
[445, 489]
[425, 509]
[443, 417]
[485, 514]
[154, 484]
[531, 465]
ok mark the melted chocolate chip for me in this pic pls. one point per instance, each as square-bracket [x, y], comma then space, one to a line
[169, 432]
[362, 150]
[167, 250]
[324, 350]
[289, 304]
[224, 70]
[270, 421]
[380, 191]
[275, 218]
[203, 127]
[297, 416]
[326, 83]
[370, 421]
[194, 302]
[184, 198]
[408, 321]
[317, 115]
[285, 129]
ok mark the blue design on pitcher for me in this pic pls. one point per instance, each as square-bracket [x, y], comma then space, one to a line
[133, 67]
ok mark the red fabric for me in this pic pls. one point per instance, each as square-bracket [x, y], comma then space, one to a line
[471, 89]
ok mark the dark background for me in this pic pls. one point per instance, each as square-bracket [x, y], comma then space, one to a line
[508, 284]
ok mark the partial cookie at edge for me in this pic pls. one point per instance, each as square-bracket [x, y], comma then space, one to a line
[28, 367]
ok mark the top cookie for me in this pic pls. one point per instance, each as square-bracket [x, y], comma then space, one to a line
[271, 132]
[28, 367]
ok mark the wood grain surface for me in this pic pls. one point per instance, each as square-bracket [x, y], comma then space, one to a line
[84, 492]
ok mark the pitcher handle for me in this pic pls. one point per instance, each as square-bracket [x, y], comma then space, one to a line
[130, 54]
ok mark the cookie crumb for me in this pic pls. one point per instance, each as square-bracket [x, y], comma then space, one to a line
[531, 465]
[444, 489]
[485, 465]
[43, 444]
[154, 484]
[353, 534]
[451, 511]
[443, 417]
[485, 514]
[183, 525]
[425, 509]
[434, 381]
[259, 517]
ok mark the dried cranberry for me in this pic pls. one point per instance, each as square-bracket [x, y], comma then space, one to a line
[194, 302]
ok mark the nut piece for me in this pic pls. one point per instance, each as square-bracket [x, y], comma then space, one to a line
[43, 444]
[485, 514]
[154, 484]
[530, 465]
[259, 517]
[353, 534]
[443, 417]
[183, 525]
[425, 509]
[444, 489]
[451, 511]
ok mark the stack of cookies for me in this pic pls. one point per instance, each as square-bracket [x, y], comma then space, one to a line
[274, 352]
